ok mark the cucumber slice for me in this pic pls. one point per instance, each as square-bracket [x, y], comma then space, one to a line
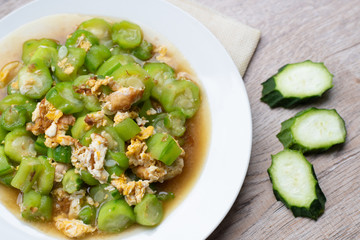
[296, 83]
[313, 130]
[295, 184]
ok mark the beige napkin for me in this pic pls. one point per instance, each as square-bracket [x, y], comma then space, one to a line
[238, 39]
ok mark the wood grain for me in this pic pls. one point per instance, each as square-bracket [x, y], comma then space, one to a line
[293, 31]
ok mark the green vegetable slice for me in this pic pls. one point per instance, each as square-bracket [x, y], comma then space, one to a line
[87, 214]
[72, 181]
[313, 130]
[30, 47]
[115, 216]
[88, 178]
[13, 117]
[29, 171]
[296, 83]
[132, 75]
[126, 34]
[180, 95]
[81, 39]
[149, 212]
[113, 63]
[18, 99]
[144, 51]
[36, 207]
[99, 28]
[127, 129]
[40, 147]
[60, 154]
[97, 55]
[295, 184]
[45, 181]
[101, 193]
[63, 97]
[5, 166]
[163, 147]
[68, 65]
[18, 144]
[35, 80]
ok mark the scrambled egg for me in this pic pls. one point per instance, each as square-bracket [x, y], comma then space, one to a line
[96, 119]
[146, 167]
[92, 158]
[161, 52]
[60, 170]
[121, 116]
[8, 73]
[75, 204]
[95, 84]
[151, 111]
[133, 191]
[122, 99]
[67, 67]
[145, 133]
[82, 43]
[183, 75]
[72, 228]
[51, 121]
[141, 121]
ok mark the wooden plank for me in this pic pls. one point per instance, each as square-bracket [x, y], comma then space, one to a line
[294, 31]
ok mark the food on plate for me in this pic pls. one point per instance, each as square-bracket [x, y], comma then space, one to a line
[296, 83]
[313, 130]
[295, 184]
[92, 127]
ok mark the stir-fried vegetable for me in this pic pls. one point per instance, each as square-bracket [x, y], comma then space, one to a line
[90, 125]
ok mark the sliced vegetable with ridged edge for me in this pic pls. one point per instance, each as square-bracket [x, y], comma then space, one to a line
[36, 207]
[87, 214]
[60, 154]
[81, 39]
[127, 129]
[40, 147]
[5, 166]
[19, 137]
[68, 64]
[29, 171]
[18, 99]
[113, 63]
[115, 216]
[88, 178]
[96, 56]
[127, 34]
[30, 47]
[163, 147]
[295, 184]
[296, 83]
[35, 80]
[313, 130]
[46, 178]
[149, 212]
[102, 193]
[132, 75]
[71, 181]
[13, 117]
[63, 97]
[99, 28]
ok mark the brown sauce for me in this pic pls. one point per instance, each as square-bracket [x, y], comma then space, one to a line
[196, 137]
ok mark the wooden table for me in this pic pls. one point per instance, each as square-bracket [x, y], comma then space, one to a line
[292, 31]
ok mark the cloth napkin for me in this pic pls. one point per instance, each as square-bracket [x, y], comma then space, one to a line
[238, 39]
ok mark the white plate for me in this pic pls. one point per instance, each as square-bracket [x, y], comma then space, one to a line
[231, 132]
